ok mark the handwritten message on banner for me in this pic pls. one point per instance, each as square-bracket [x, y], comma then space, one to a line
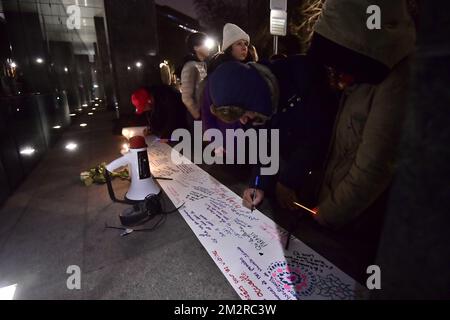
[248, 247]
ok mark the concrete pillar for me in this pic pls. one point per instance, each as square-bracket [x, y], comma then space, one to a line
[414, 253]
[85, 84]
[62, 54]
[97, 76]
[28, 48]
[133, 46]
[104, 63]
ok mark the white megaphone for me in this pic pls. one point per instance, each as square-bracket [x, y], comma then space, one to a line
[142, 183]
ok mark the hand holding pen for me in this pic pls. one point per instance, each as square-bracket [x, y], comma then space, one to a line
[252, 197]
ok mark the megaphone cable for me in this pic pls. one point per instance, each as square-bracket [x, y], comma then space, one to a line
[142, 213]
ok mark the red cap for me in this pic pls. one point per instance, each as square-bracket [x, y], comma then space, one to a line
[142, 100]
[138, 142]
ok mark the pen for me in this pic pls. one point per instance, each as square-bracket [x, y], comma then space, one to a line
[288, 241]
[254, 192]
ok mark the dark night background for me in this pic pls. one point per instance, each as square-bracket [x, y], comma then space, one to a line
[185, 6]
[52, 80]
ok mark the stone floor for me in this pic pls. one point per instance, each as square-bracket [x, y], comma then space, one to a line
[52, 222]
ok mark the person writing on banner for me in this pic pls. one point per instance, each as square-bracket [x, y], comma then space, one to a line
[292, 95]
[372, 67]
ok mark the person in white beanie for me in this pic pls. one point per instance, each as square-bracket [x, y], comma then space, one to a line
[372, 69]
[235, 47]
[235, 41]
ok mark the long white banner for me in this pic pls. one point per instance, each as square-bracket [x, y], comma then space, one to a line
[246, 246]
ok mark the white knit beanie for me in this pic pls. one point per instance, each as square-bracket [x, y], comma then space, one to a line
[231, 34]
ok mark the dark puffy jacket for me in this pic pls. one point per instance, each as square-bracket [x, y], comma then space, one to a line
[208, 119]
[305, 117]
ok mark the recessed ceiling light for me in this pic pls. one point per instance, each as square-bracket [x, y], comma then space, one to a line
[72, 114]
[39, 60]
[90, 114]
[57, 127]
[83, 125]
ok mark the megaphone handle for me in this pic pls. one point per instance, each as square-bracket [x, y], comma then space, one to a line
[111, 190]
[109, 185]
